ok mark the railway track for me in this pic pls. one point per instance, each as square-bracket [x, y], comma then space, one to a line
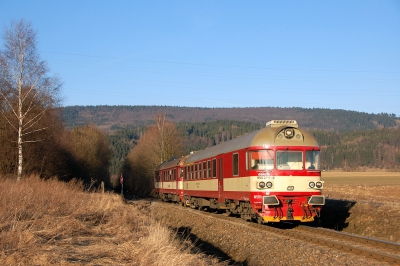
[378, 250]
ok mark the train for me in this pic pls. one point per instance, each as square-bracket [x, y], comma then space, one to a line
[269, 175]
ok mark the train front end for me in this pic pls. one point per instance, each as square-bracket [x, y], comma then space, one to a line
[286, 174]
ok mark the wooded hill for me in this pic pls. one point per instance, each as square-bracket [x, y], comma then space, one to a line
[350, 140]
[112, 118]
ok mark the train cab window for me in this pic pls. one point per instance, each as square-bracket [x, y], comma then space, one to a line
[313, 160]
[214, 168]
[289, 160]
[235, 164]
[262, 159]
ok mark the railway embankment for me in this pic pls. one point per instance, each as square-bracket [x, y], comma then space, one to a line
[245, 243]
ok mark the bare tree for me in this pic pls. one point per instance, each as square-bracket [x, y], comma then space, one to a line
[166, 138]
[27, 91]
[90, 152]
[160, 143]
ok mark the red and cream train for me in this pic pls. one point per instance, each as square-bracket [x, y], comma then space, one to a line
[270, 175]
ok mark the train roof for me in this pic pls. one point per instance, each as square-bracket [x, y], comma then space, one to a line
[172, 163]
[271, 135]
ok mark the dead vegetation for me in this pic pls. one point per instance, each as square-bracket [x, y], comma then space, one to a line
[51, 222]
[365, 187]
[364, 203]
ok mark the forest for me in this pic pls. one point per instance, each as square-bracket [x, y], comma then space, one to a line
[363, 150]
[111, 118]
[350, 140]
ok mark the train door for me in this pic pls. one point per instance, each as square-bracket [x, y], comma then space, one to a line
[220, 179]
[180, 183]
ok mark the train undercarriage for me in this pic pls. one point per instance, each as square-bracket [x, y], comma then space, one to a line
[285, 211]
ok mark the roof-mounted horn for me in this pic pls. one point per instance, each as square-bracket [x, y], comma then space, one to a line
[280, 123]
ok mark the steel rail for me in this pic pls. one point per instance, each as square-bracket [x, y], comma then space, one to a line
[315, 235]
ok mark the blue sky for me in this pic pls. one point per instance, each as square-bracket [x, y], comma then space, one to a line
[310, 54]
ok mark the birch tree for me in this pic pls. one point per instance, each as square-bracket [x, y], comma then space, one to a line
[27, 91]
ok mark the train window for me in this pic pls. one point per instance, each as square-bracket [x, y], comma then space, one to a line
[204, 169]
[214, 168]
[313, 160]
[262, 159]
[195, 171]
[289, 160]
[198, 171]
[209, 168]
[235, 164]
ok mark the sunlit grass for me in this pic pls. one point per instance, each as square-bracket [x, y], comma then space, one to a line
[375, 201]
[50, 222]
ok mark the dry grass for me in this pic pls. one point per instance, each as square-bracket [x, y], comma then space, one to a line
[49, 222]
[361, 178]
[369, 203]
[380, 187]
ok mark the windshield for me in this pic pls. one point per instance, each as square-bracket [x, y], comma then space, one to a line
[262, 159]
[289, 160]
[312, 160]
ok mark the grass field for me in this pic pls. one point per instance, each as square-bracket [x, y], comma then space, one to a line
[361, 178]
[381, 187]
[365, 203]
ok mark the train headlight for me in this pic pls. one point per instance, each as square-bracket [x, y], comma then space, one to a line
[269, 184]
[271, 200]
[261, 184]
[311, 184]
[316, 200]
[289, 133]
[318, 184]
